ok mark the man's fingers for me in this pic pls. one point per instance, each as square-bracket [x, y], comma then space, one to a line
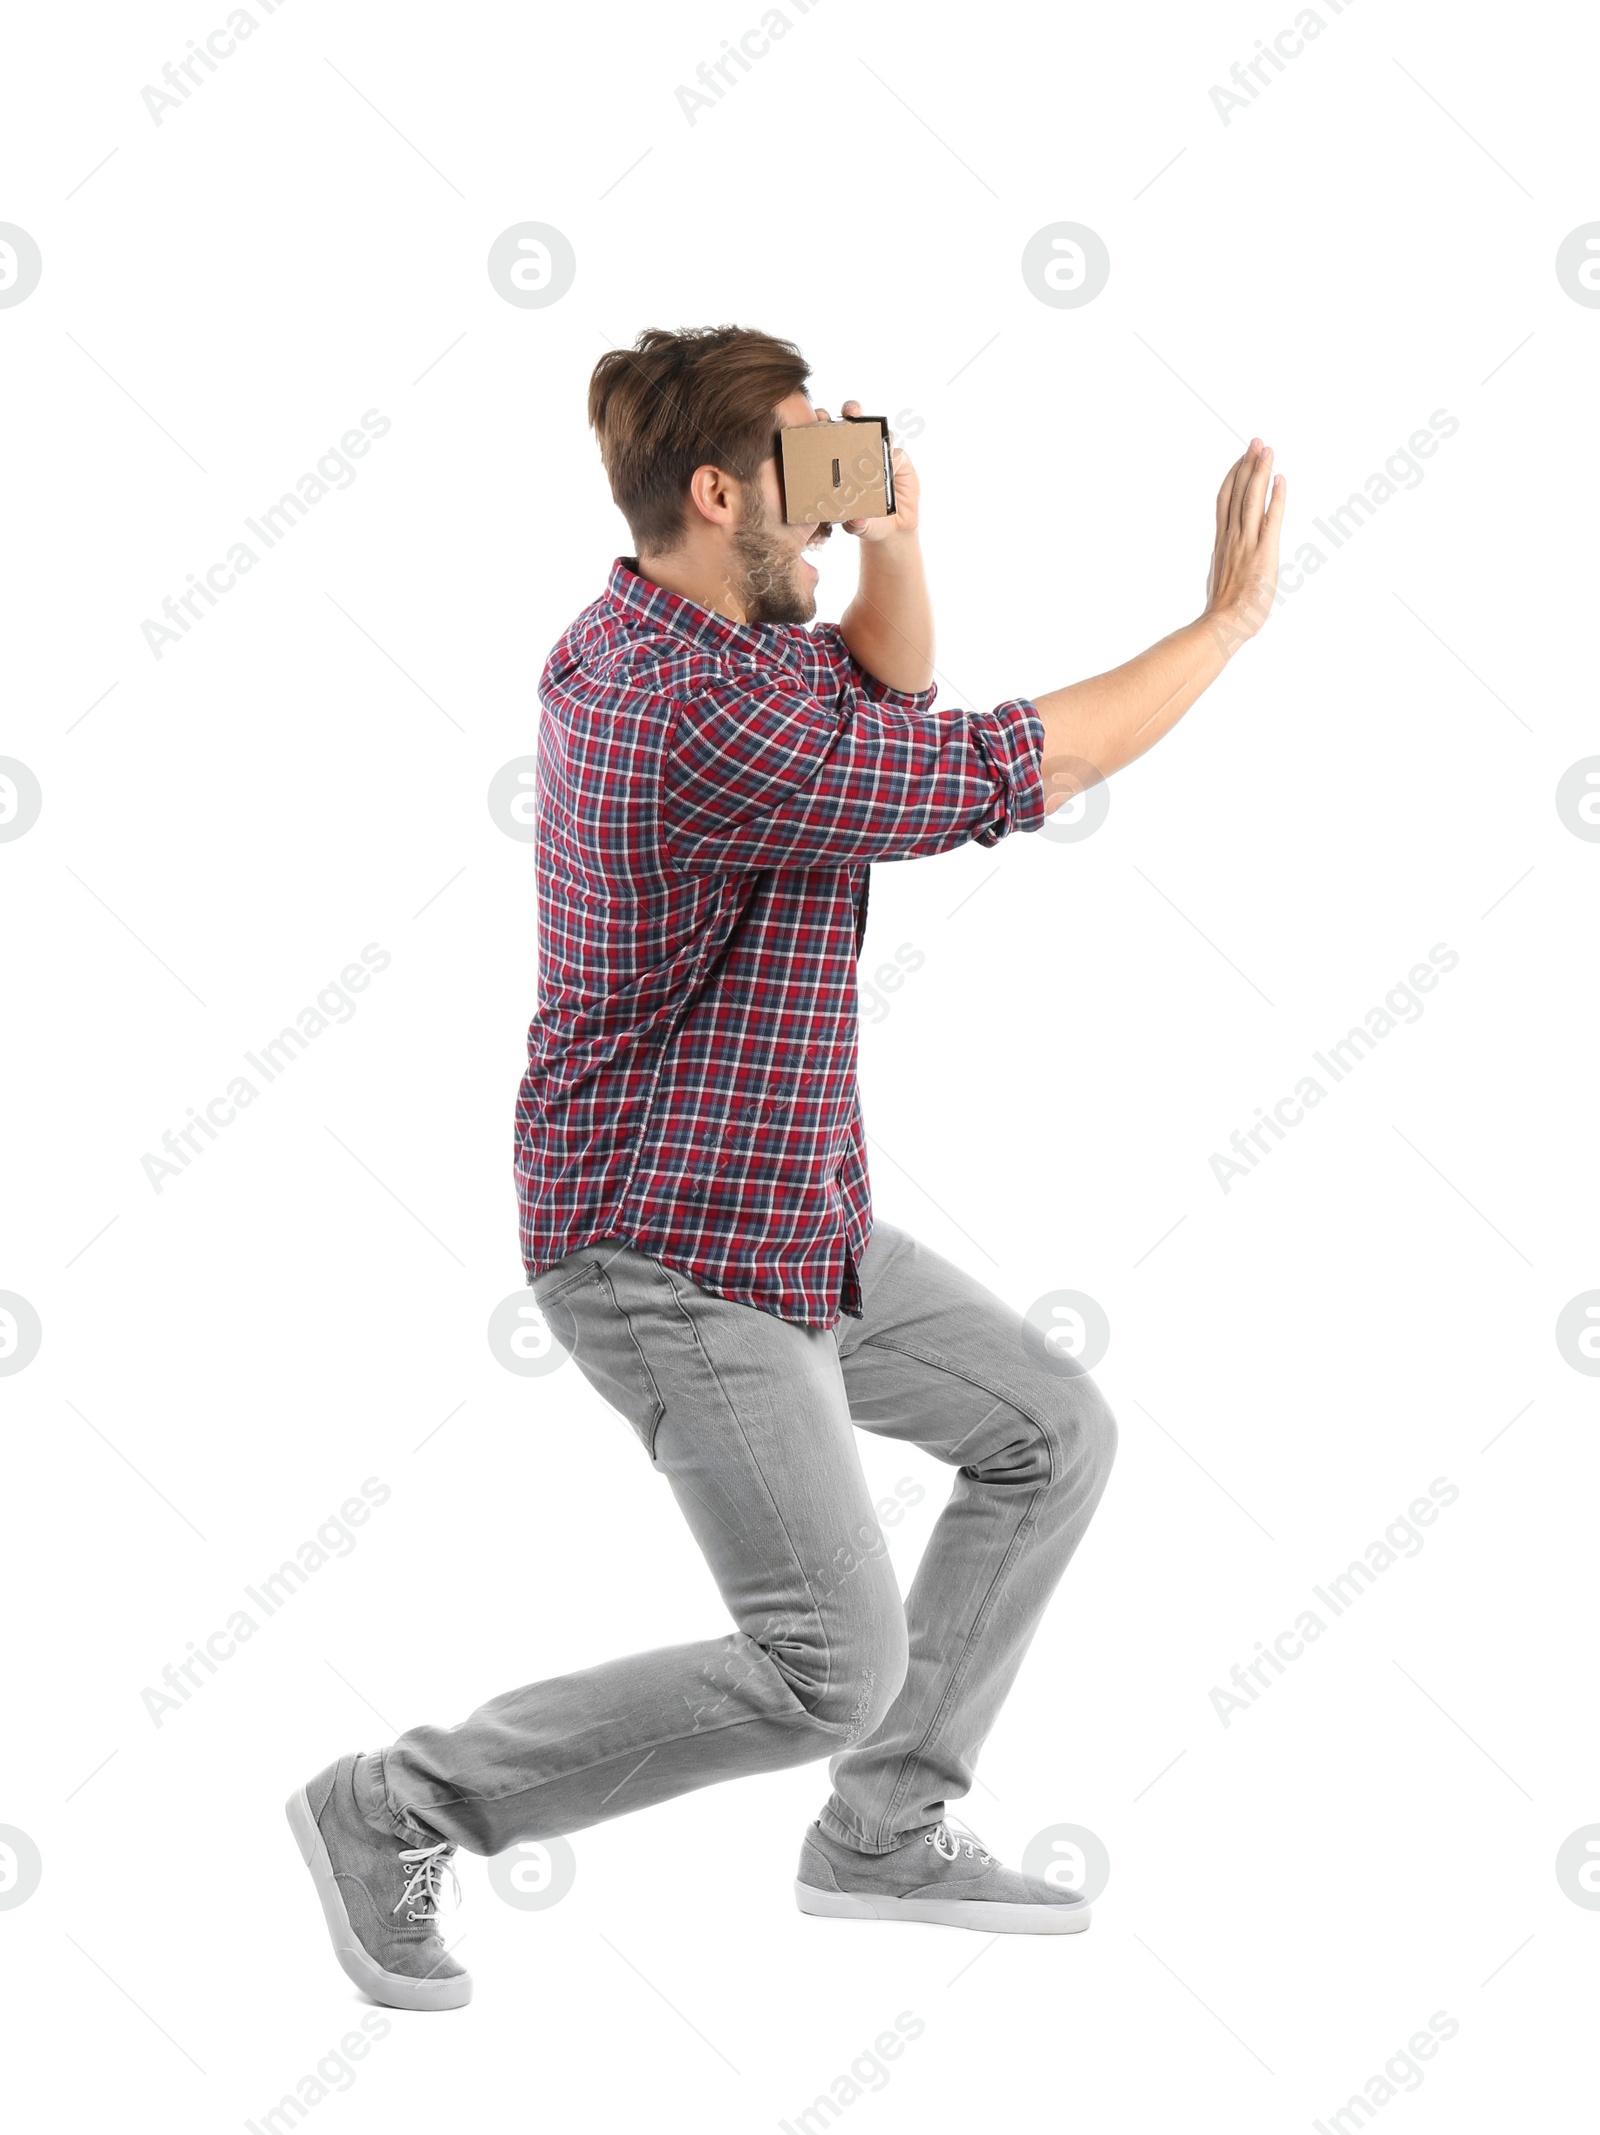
[851, 407]
[1248, 494]
[1238, 476]
[1241, 487]
[1250, 507]
[1225, 495]
[1255, 505]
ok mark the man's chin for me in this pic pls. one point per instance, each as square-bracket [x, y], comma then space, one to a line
[799, 605]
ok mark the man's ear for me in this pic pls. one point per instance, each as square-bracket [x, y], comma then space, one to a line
[714, 496]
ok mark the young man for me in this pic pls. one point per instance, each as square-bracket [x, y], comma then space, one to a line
[714, 781]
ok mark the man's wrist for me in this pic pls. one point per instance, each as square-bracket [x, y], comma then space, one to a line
[1238, 620]
[899, 543]
[1228, 627]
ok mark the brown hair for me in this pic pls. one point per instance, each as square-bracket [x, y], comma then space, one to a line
[678, 401]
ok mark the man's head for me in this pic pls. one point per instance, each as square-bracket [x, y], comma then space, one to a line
[688, 426]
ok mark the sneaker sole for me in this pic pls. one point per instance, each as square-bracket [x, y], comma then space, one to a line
[395, 1990]
[986, 1917]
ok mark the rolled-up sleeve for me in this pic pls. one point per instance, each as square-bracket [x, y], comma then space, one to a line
[760, 770]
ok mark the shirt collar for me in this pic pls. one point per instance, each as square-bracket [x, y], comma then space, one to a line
[638, 600]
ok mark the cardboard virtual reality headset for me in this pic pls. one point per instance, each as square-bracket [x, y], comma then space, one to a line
[841, 470]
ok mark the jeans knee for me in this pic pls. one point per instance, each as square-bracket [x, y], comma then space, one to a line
[865, 1665]
[1093, 1432]
[1064, 1440]
[859, 1699]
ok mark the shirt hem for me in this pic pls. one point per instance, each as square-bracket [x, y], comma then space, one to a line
[611, 1234]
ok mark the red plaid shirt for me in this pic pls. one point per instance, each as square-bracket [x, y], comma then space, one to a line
[707, 800]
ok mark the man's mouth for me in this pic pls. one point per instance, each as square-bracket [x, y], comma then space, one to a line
[808, 554]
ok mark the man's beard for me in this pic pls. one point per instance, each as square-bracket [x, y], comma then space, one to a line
[769, 586]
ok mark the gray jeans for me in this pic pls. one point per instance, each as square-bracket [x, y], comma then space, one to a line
[748, 1417]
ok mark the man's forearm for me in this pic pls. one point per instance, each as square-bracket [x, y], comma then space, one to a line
[1110, 719]
[888, 626]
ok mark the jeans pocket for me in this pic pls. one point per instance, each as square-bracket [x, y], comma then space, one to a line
[566, 1275]
[590, 1320]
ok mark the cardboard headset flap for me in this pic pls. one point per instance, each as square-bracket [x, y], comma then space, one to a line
[842, 470]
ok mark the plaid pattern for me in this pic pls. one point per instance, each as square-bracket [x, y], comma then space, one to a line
[708, 798]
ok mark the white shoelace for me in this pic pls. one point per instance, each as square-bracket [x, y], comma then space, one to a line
[948, 1844]
[424, 1885]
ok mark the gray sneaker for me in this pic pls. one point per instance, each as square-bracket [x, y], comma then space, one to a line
[381, 1901]
[943, 1877]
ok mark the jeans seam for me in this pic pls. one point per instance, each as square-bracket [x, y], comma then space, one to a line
[799, 1717]
[1002, 1392]
[958, 1673]
[1047, 1437]
[638, 1349]
[817, 1617]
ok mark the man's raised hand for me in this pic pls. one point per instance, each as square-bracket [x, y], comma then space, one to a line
[1244, 562]
[907, 492]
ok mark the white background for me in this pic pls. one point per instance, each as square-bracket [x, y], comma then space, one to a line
[1371, 240]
